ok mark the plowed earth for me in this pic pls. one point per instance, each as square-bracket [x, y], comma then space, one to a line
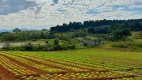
[5, 74]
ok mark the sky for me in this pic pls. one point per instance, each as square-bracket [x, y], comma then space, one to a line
[38, 14]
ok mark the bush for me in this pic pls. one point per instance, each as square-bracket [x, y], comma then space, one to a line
[57, 47]
[72, 47]
[120, 45]
[27, 47]
[126, 45]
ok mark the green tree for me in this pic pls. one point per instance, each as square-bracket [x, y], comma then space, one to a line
[121, 34]
[16, 30]
[56, 42]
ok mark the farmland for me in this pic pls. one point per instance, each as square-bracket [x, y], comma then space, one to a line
[92, 64]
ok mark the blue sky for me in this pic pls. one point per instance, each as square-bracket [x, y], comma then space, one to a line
[38, 14]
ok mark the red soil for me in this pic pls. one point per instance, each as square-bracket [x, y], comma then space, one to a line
[5, 74]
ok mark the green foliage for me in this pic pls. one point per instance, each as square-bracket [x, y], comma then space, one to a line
[98, 25]
[137, 35]
[133, 45]
[121, 45]
[24, 36]
[120, 34]
[98, 30]
[27, 47]
[56, 42]
[79, 34]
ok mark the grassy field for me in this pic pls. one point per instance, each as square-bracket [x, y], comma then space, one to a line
[83, 64]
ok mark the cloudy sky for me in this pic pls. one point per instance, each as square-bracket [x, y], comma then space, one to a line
[45, 13]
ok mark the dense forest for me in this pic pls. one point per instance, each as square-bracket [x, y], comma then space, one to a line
[100, 26]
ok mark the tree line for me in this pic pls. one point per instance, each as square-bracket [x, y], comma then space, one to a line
[100, 26]
[18, 35]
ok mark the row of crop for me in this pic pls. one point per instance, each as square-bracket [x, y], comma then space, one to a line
[89, 63]
[64, 66]
[13, 67]
[56, 64]
[86, 65]
[136, 71]
[69, 64]
[34, 64]
[81, 63]
[81, 76]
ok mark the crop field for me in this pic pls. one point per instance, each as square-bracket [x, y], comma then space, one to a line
[85, 64]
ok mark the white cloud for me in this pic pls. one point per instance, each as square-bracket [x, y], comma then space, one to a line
[47, 13]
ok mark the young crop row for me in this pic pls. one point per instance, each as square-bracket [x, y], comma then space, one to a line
[34, 64]
[89, 64]
[70, 65]
[57, 64]
[136, 71]
[66, 64]
[84, 65]
[82, 76]
[14, 68]
[58, 69]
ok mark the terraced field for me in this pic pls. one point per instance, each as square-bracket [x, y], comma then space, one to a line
[71, 66]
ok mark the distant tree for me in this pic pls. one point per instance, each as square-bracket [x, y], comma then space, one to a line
[28, 47]
[46, 42]
[91, 30]
[121, 34]
[16, 30]
[56, 42]
[138, 35]
[133, 24]
[51, 35]
[56, 45]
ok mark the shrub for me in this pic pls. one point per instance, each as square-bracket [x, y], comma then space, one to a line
[120, 45]
[126, 45]
[57, 47]
[27, 47]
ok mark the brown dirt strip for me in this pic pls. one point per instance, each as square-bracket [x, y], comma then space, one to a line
[5, 74]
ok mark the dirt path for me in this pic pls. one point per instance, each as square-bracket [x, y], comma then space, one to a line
[5, 74]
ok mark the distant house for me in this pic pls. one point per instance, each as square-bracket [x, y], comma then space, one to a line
[90, 42]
